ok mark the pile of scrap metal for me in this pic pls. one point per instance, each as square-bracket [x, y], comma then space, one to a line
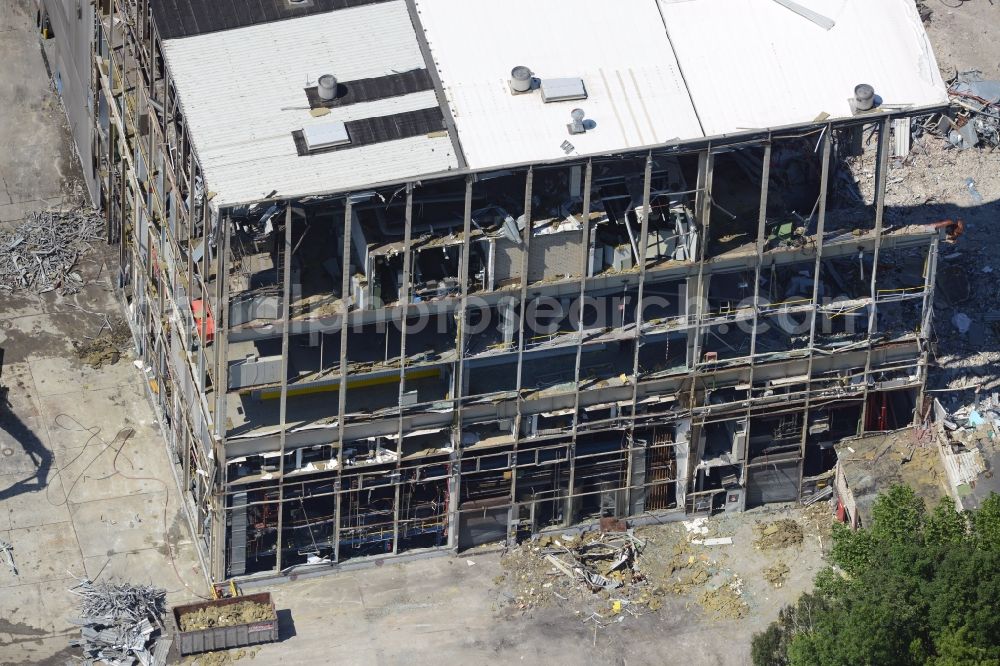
[41, 252]
[977, 121]
[599, 561]
[121, 624]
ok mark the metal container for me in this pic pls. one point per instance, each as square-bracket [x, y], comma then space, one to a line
[327, 87]
[520, 79]
[225, 638]
[864, 97]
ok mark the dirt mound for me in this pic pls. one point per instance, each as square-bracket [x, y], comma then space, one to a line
[726, 601]
[243, 612]
[107, 347]
[776, 574]
[782, 533]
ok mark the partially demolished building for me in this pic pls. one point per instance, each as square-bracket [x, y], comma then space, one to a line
[418, 275]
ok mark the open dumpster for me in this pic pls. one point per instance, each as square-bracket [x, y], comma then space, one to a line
[225, 623]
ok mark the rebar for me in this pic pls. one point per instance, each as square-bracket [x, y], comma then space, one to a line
[42, 251]
[120, 623]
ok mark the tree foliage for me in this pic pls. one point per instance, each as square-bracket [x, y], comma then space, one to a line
[917, 587]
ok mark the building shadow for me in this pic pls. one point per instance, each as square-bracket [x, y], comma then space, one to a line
[33, 447]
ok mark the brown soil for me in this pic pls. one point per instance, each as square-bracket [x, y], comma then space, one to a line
[776, 574]
[781, 533]
[221, 658]
[243, 612]
[107, 347]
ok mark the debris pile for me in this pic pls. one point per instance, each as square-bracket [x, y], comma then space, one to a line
[221, 657]
[107, 346]
[232, 615]
[978, 120]
[41, 252]
[604, 577]
[593, 566]
[782, 533]
[776, 573]
[985, 411]
[121, 624]
[723, 598]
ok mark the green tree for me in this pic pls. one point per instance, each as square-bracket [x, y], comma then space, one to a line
[986, 523]
[915, 588]
[946, 526]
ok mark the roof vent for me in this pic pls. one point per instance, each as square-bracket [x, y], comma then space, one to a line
[520, 80]
[561, 90]
[326, 135]
[864, 97]
[327, 87]
[577, 126]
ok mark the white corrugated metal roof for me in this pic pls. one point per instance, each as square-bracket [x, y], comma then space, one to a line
[755, 64]
[654, 71]
[636, 95]
[243, 94]
[746, 64]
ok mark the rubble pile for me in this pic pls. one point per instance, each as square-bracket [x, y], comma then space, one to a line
[107, 346]
[782, 533]
[724, 600]
[776, 573]
[984, 412]
[121, 624]
[606, 576]
[594, 566]
[978, 120]
[41, 252]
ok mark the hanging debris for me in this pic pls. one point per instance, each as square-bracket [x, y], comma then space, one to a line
[978, 119]
[42, 251]
[121, 624]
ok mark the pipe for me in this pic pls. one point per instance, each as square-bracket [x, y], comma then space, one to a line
[955, 228]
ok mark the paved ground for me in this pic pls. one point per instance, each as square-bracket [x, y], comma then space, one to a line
[74, 501]
[37, 165]
[453, 611]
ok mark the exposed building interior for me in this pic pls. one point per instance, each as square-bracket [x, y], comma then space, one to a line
[388, 308]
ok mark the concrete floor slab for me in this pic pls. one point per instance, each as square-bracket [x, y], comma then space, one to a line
[152, 566]
[94, 418]
[46, 552]
[37, 336]
[66, 374]
[34, 509]
[21, 610]
[23, 443]
[107, 470]
[119, 524]
[21, 389]
[14, 211]
[44, 166]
